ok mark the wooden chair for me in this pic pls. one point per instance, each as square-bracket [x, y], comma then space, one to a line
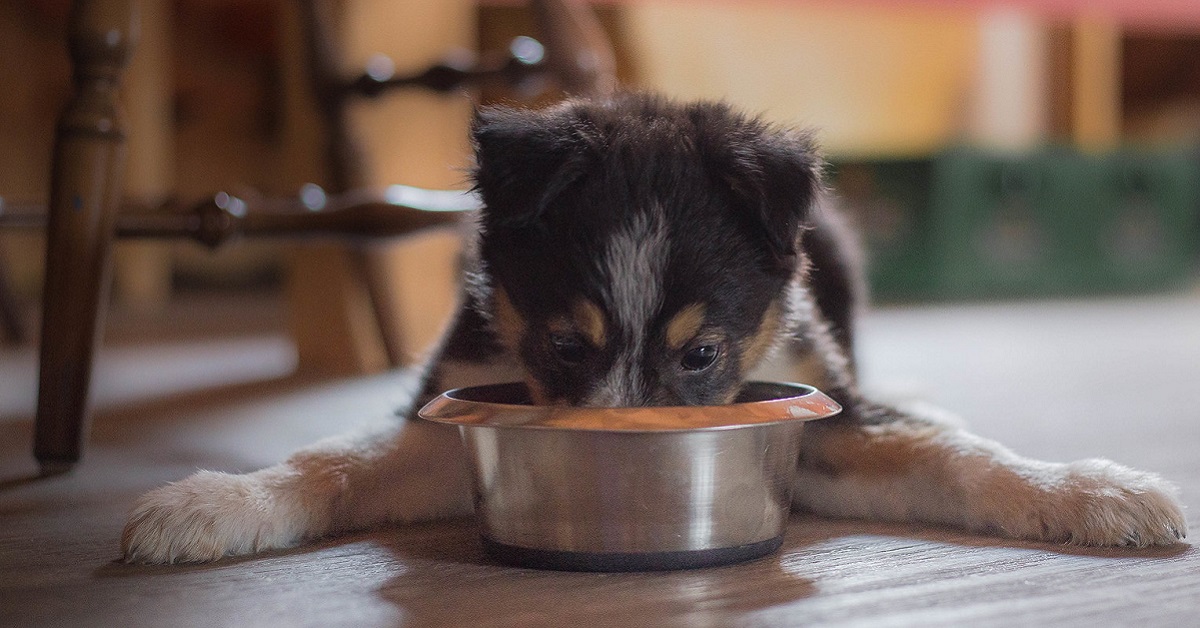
[12, 329]
[86, 214]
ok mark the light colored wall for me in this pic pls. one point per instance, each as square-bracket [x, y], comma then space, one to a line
[874, 80]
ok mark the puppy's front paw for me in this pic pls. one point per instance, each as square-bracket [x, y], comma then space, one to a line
[1098, 502]
[210, 515]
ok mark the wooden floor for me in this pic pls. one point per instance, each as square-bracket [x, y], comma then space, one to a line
[1114, 378]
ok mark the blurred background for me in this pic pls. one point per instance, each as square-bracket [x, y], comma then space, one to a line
[988, 151]
[1025, 174]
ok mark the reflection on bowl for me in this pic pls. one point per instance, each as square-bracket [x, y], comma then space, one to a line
[623, 489]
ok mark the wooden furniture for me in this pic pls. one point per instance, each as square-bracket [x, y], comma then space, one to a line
[84, 199]
[85, 212]
[12, 329]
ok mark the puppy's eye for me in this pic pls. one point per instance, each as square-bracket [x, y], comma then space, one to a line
[700, 358]
[570, 348]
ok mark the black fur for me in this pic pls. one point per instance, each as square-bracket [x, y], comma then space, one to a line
[733, 193]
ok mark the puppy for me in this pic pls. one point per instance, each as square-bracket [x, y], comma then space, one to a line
[636, 251]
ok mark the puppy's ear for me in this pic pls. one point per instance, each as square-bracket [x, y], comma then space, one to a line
[776, 173]
[523, 160]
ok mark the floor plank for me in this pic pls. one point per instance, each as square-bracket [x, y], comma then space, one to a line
[1114, 378]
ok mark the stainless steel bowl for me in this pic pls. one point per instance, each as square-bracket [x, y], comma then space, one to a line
[628, 489]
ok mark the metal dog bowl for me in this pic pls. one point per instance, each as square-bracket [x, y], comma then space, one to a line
[631, 489]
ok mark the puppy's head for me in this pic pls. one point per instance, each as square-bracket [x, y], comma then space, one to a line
[637, 251]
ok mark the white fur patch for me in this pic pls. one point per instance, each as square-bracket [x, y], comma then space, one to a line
[410, 470]
[618, 387]
[634, 264]
[968, 481]
[210, 515]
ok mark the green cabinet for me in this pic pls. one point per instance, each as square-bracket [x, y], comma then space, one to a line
[971, 224]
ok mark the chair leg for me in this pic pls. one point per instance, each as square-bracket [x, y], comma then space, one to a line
[345, 167]
[12, 330]
[84, 197]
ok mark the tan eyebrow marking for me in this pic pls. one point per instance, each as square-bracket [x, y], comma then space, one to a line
[684, 325]
[590, 321]
[763, 339]
[510, 326]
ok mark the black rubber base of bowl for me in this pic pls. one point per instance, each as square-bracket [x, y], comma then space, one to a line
[560, 560]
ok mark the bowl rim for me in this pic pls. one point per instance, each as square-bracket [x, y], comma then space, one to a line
[454, 408]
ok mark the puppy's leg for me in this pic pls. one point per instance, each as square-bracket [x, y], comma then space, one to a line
[835, 273]
[407, 470]
[879, 463]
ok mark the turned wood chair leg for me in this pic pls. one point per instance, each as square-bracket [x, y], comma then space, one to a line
[84, 198]
[345, 164]
[12, 329]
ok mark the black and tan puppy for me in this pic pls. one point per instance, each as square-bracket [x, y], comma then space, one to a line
[636, 251]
